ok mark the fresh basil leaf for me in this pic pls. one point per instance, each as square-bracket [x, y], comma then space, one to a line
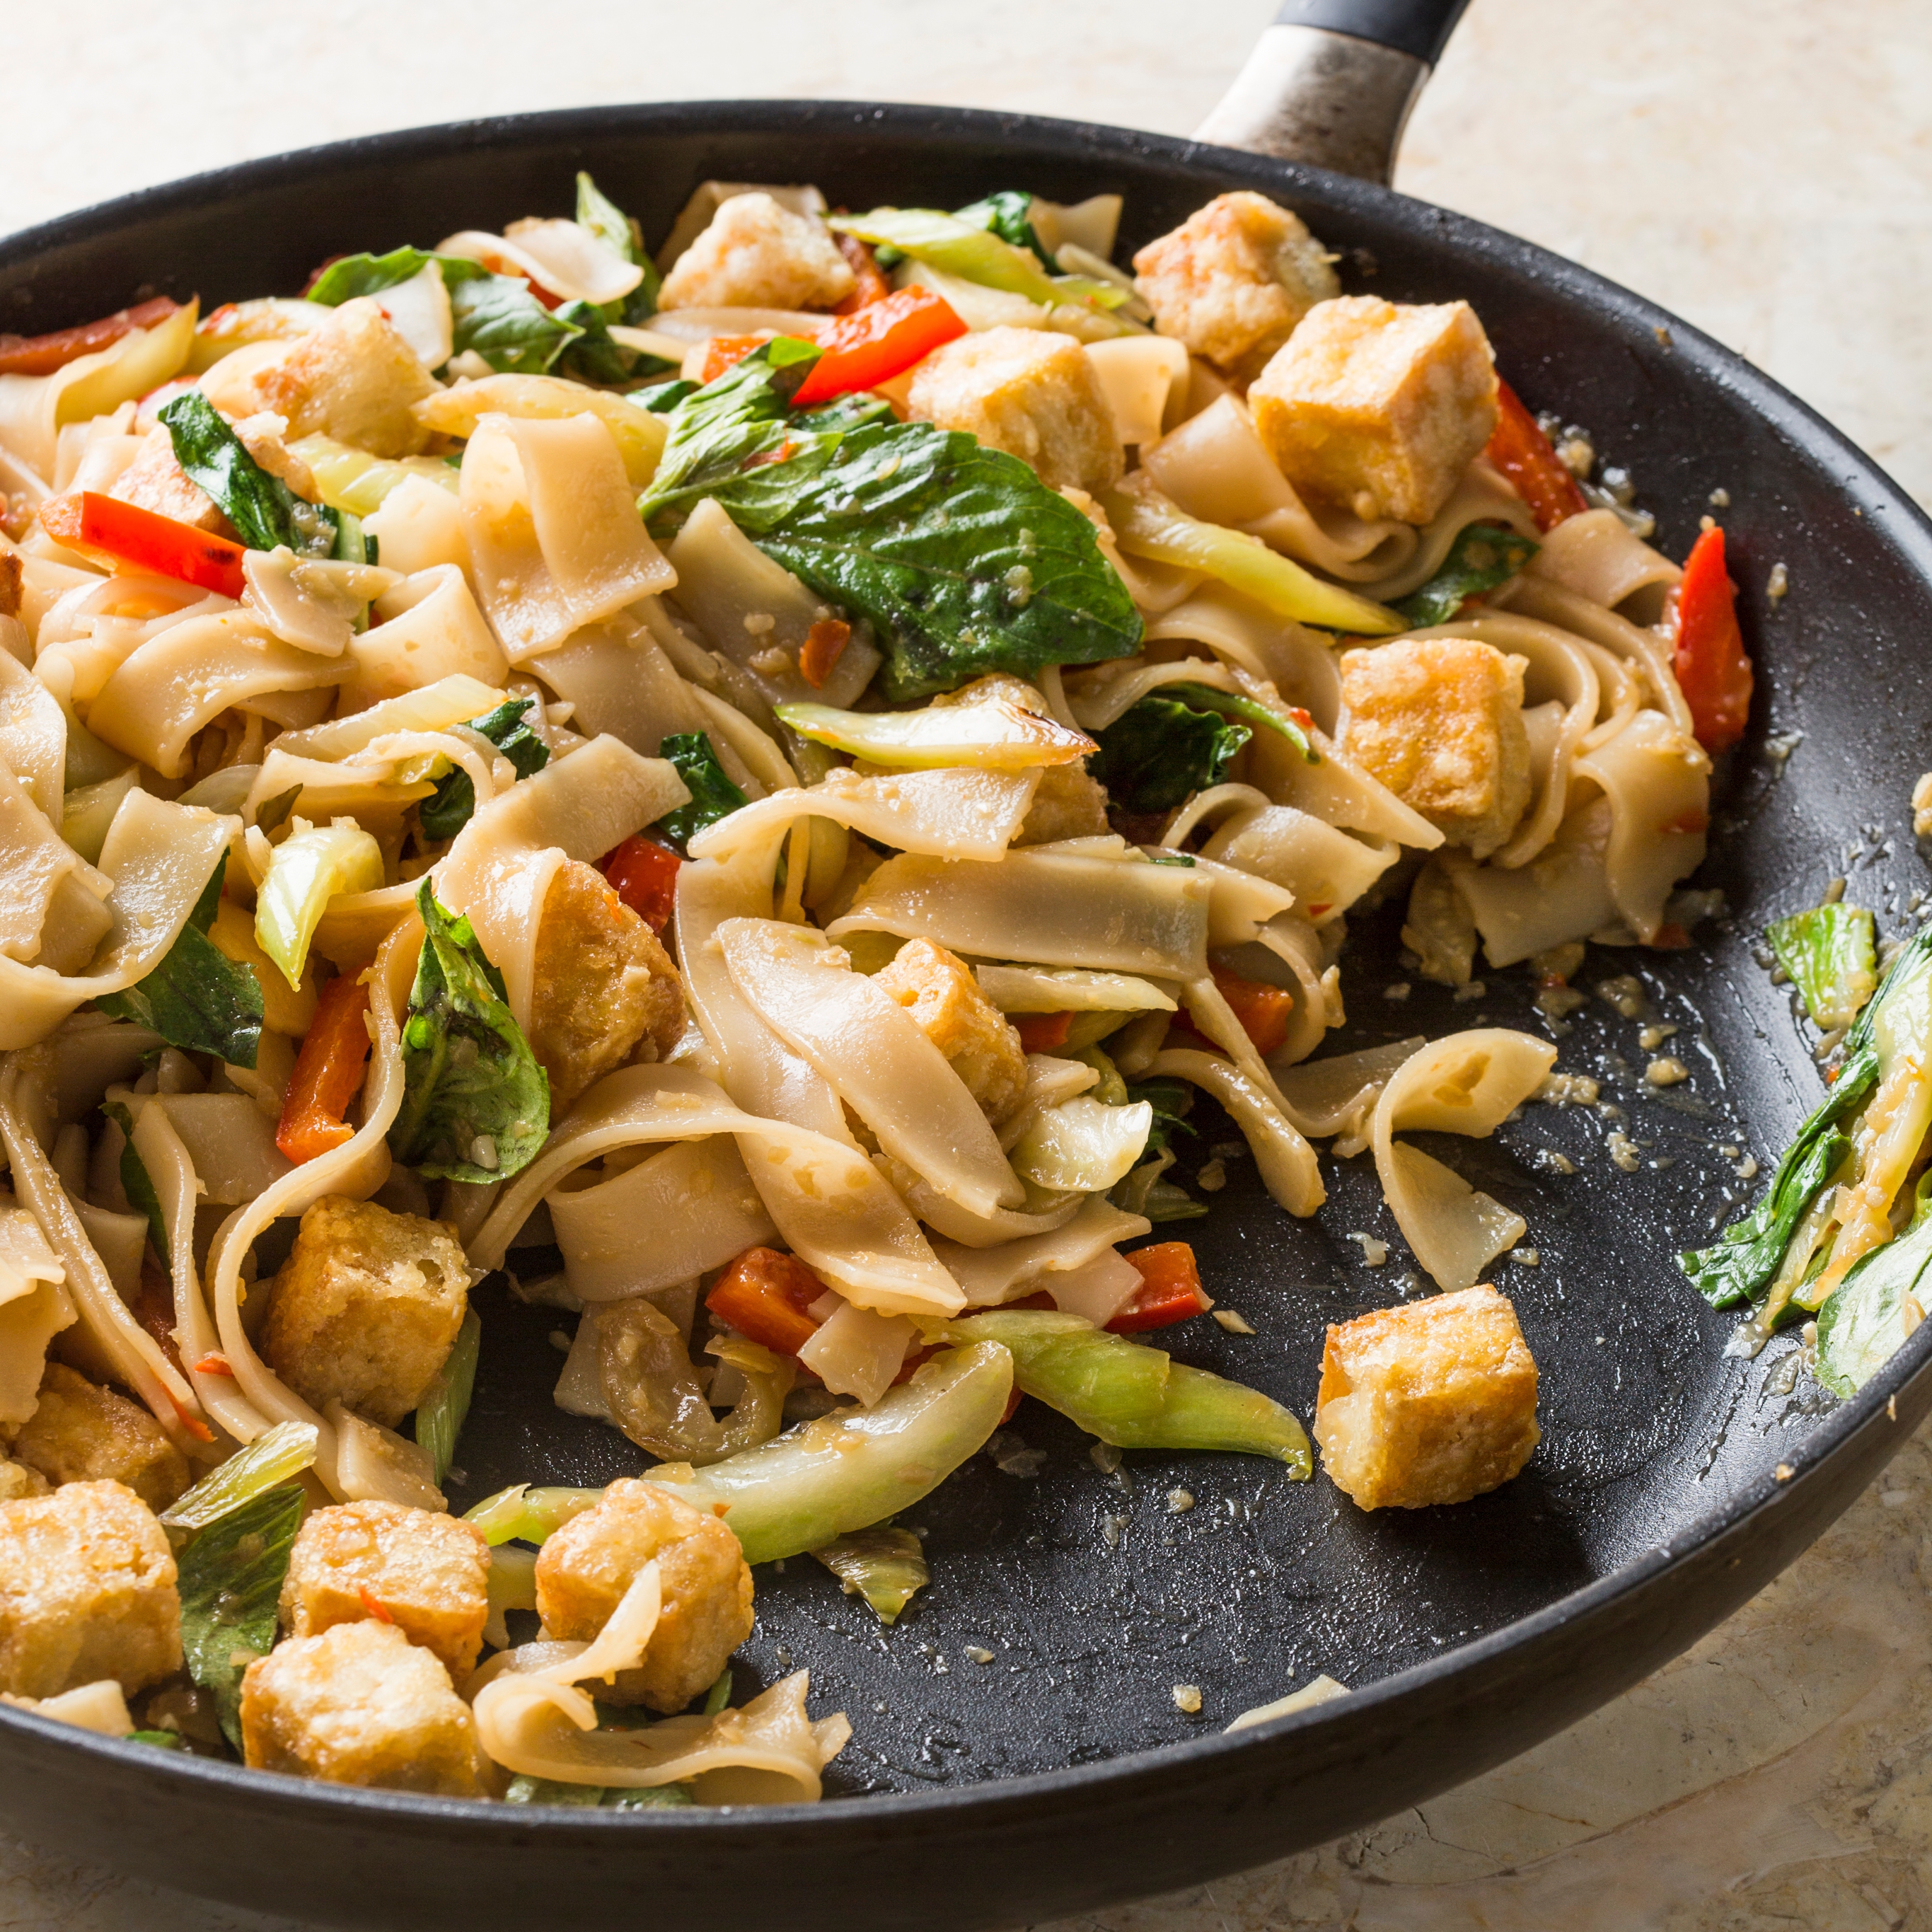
[441, 1413]
[136, 1181]
[611, 225]
[475, 1103]
[1232, 704]
[197, 998]
[353, 275]
[1483, 556]
[1172, 1101]
[1827, 954]
[852, 411]
[713, 796]
[1009, 214]
[499, 318]
[266, 512]
[1158, 753]
[594, 357]
[663, 398]
[230, 1579]
[447, 810]
[160, 1740]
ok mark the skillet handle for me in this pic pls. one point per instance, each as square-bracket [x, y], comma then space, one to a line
[1332, 81]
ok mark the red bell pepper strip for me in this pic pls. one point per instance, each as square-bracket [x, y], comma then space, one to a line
[868, 284]
[643, 875]
[824, 645]
[42, 355]
[874, 344]
[765, 1295]
[125, 536]
[1521, 450]
[328, 1072]
[1714, 671]
[1170, 1289]
[726, 351]
[1041, 1033]
[1263, 1010]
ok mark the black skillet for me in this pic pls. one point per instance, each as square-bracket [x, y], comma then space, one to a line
[1672, 1481]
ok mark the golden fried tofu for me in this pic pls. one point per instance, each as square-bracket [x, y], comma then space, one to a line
[1069, 805]
[938, 989]
[155, 480]
[426, 1573]
[1434, 1401]
[1233, 280]
[87, 1591]
[1439, 721]
[353, 379]
[603, 990]
[17, 1480]
[360, 1705]
[366, 1307]
[1377, 405]
[1028, 391]
[757, 254]
[81, 1432]
[587, 1566]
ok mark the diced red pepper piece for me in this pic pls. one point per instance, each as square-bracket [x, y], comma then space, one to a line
[726, 351]
[1170, 1289]
[1714, 671]
[643, 875]
[328, 1072]
[868, 283]
[1263, 1010]
[765, 1295]
[122, 534]
[1521, 450]
[42, 355]
[1041, 1033]
[874, 343]
[824, 645]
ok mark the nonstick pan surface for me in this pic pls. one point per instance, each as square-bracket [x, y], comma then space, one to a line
[1672, 1481]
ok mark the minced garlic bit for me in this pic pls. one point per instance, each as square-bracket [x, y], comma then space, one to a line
[1746, 1169]
[559, 1341]
[1375, 1250]
[1568, 1090]
[1111, 1529]
[1784, 1472]
[1551, 1161]
[760, 623]
[1652, 1037]
[1529, 1257]
[1623, 1151]
[1556, 962]
[1105, 1457]
[1922, 807]
[1472, 989]
[1777, 583]
[1556, 1003]
[1719, 498]
[1187, 1697]
[1625, 992]
[1235, 1324]
[978, 1654]
[1211, 1176]
[1834, 890]
[1665, 1071]
[1179, 1501]
[1399, 990]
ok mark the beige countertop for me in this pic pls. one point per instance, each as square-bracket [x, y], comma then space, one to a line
[1764, 168]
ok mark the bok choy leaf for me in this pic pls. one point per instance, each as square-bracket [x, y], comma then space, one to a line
[231, 1579]
[884, 1565]
[274, 1455]
[1483, 556]
[441, 1413]
[1878, 1304]
[1827, 954]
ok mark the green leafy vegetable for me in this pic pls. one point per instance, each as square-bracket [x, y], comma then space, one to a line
[977, 252]
[1172, 1101]
[1251, 711]
[1881, 1300]
[353, 275]
[663, 398]
[161, 1740]
[885, 1566]
[611, 225]
[1160, 752]
[499, 318]
[1827, 954]
[595, 356]
[231, 1580]
[524, 1789]
[273, 1457]
[441, 1413]
[136, 1181]
[447, 809]
[197, 998]
[266, 512]
[719, 1697]
[1483, 556]
[713, 796]
[475, 1103]
[1009, 214]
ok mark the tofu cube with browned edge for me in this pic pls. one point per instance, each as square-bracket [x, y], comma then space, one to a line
[353, 379]
[1439, 721]
[1434, 1401]
[1233, 280]
[366, 1308]
[1069, 804]
[426, 1573]
[1379, 407]
[360, 1705]
[87, 1591]
[603, 990]
[1029, 391]
[757, 254]
[155, 480]
[981, 1046]
[81, 1432]
[586, 1567]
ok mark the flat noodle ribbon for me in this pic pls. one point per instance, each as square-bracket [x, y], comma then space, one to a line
[1286, 1161]
[34, 1307]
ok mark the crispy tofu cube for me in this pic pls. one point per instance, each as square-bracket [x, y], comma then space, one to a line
[1028, 391]
[1069, 804]
[17, 1480]
[1434, 1401]
[1377, 405]
[1233, 280]
[81, 1432]
[360, 1705]
[757, 254]
[155, 480]
[366, 1307]
[1439, 721]
[938, 989]
[429, 1573]
[87, 1591]
[353, 379]
[604, 989]
[587, 1566]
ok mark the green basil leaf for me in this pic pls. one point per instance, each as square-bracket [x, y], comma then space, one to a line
[447, 810]
[1009, 214]
[266, 512]
[475, 1103]
[350, 276]
[713, 796]
[1158, 753]
[1483, 556]
[231, 1579]
[1251, 711]
[499, 318]
[663, 398]
[611, 225]
[594, 357]
[1172, 1101]
[136, 1181]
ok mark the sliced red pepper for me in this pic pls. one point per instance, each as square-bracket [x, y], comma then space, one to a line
[373, 1604]
[765, 1296]
[1041, 1033]
[1714, 671]
[643, 875]
[214, 1365]
[42, 355]
[1263, 1010]
[874, 343]
[123, 534]
[1521, 450]
[1170, 1289]
[824, 645]
[869, 282]
[328, 1072]
[726, 351]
